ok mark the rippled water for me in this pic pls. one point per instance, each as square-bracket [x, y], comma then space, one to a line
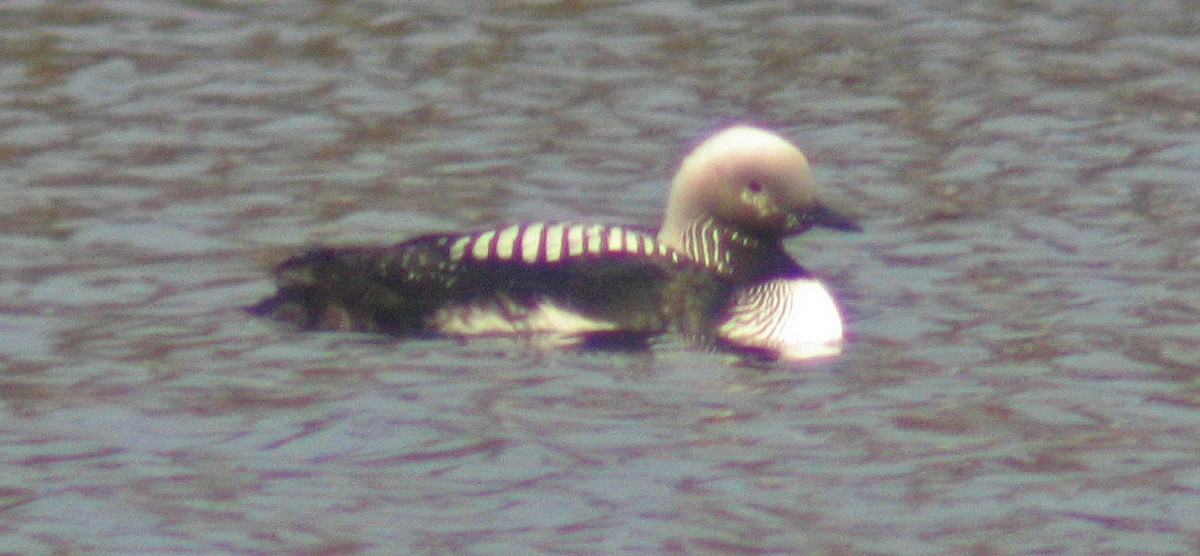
[1022, 374]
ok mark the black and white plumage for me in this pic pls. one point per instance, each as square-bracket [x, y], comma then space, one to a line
[715, 271]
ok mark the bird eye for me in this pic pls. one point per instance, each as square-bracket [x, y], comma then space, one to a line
[755, 187]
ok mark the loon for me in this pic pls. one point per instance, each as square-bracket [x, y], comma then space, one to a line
[715, 271]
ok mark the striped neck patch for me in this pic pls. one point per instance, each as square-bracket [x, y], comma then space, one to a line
[713, 245]
[552, 242]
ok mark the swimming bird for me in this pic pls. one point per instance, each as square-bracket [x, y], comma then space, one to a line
[716, 270]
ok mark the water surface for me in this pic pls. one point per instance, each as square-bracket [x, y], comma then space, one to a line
[1023, 307]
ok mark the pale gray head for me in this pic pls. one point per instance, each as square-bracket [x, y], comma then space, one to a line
[750, 180]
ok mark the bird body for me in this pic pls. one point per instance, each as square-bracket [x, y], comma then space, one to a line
[716, 271]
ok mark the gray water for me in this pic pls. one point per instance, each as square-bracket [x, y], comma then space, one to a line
[1024, 307]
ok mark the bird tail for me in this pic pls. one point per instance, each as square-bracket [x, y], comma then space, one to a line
[328, 289]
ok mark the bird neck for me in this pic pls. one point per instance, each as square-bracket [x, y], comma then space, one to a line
[736, 254]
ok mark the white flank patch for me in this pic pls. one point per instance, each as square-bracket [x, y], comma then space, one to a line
[459, 249]
[531, 239]
[615, 240]
[554, 243]
[482, 249]
[631, 241]
[798, 319]
[506, 242]
[575, 240]
[592, 239]
[492, 319]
